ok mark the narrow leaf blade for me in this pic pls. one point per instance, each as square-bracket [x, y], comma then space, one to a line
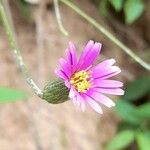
[121, 140]
[10, 95]
[117, 4]
[144, 111]
[133, 9]
[127, 112]
[143, 141]
[137, 88]
[103, 7]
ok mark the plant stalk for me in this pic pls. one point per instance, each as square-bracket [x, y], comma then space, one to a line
[58, 17]
[16, 51]
[109, 35]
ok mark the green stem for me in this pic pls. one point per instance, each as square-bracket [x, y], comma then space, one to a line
[58, 17]
[110, 36]
[16, 52]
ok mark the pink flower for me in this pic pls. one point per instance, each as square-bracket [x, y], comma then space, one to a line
[87, 83]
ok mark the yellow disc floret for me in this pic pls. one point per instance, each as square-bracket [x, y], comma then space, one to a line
[80, 80]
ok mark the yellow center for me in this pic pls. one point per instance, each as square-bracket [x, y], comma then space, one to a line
[80, 81]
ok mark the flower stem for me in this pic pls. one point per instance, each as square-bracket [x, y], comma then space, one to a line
[58, 17]
[110, 36]
[16, 51]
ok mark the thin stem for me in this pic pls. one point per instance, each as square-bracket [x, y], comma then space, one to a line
[110, 36]
[58, 17]
[16, 52]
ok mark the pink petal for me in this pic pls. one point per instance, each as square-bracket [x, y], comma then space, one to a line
[107, 83]
[76, 101]
[73, 53]
[72, 93]
[63, 63]
[82, 101]
[113, 91]
[83, 106]
[87, 48]
[71, 56]
[104, 64]
[91, 56]
[101, 98]
[110, 75]
[105, 72]
[85, 52]
[93, 104]
[61, 74]
[67, 83]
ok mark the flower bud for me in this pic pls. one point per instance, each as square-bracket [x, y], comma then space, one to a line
[55, 92]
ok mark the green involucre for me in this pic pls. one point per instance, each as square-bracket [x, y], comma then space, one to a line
[55, 92]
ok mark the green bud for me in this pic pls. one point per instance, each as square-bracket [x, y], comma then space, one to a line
[55, 92]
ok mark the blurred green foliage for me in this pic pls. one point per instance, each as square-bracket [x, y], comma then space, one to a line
[25, 9]
[137, 88]
[0, 21]
[117, 4]
[134, 110]
[11, 95]
[132, 9]
[143, 140]
[122, 139]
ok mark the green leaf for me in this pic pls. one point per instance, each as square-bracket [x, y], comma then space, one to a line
[117, 4]
[121, 140]
[144, 111]
[137, 88]
[143, 141]
[125, 125]
[103, 7]
[10, 95]
[25, 9]
[127, 112]
[133, 9]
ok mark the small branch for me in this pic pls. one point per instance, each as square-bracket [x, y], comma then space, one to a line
[110, 36]
[58, 17]
[8, 13]
[16, 51]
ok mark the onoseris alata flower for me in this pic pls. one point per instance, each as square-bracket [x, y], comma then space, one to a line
[88, 83]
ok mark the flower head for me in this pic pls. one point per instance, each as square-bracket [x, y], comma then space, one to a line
[87, 84]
